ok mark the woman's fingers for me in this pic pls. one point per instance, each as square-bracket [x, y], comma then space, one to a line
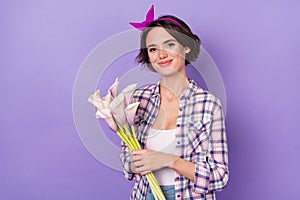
[143, 169]
[141, 151]
[144, 173]
[141, 165]
[145, 161]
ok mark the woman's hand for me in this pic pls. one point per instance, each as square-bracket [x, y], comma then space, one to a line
[144, 161]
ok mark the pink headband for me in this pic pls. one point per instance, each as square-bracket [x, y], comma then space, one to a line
[150, 18]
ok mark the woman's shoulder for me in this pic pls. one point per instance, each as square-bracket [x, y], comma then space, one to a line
[145, 91]
[143, 95]
[205, 95]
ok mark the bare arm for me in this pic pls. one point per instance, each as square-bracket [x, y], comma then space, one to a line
[184, 168]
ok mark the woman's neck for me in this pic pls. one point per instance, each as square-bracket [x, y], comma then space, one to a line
[173, 85]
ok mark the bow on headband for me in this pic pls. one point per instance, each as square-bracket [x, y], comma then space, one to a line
[150, 18]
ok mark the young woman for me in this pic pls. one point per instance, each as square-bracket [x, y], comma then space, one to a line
[179, 125]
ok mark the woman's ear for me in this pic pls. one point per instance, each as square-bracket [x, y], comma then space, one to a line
[187, 50]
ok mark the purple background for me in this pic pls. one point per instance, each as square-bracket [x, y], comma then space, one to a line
[255, 44]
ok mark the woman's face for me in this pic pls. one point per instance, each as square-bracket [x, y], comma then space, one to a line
[166, 54]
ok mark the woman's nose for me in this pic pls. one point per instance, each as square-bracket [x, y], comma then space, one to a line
[162, 54]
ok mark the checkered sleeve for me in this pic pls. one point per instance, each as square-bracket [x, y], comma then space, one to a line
[212, 172]
[125, 160]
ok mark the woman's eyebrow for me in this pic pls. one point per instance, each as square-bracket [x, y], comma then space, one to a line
[165, 42]
[170, 40]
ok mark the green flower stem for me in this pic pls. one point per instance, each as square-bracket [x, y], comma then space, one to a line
[134, 136]
[123, 136]
[131, 141]
[133, 130]
[150, 176]
[124, 139]
[155, 188]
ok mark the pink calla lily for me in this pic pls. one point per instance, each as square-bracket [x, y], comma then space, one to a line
[113, 89]
[128, 91]
[103, 110]
[117, 108]
[130, 111]
[106, 115]
[98, 102]
[107, 100]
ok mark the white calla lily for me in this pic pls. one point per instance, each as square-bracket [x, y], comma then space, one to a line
[117, 108]
[107, 116]
[113, 89]
[103, 110]
[130, 111]
[127, 92]
[98, 102]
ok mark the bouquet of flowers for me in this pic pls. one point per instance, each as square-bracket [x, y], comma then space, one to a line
[118, 113]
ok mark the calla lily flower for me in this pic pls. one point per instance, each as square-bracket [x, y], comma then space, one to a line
[103, 110]
[113, 89]
[130, 111]
[128, 91]
[107, 100]
[106, 115]
[98, 102]
[117, 108]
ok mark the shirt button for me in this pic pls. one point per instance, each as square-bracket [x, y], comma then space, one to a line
[178, 195]
[177, 125]
[178, 142]
[177, 178]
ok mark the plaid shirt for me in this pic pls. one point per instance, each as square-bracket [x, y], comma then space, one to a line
[200, 137]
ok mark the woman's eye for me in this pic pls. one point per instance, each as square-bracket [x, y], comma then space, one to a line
[152, 49]
[171, 44]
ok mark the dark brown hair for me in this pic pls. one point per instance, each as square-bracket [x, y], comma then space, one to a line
[182, 34]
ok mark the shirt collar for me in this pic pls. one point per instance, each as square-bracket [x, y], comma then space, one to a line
[156, 90]
[189, 90]
[185, 95]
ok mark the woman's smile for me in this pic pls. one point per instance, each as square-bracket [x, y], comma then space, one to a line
[165, 63]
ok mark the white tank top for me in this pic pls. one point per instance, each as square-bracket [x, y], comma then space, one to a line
[163, 141]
